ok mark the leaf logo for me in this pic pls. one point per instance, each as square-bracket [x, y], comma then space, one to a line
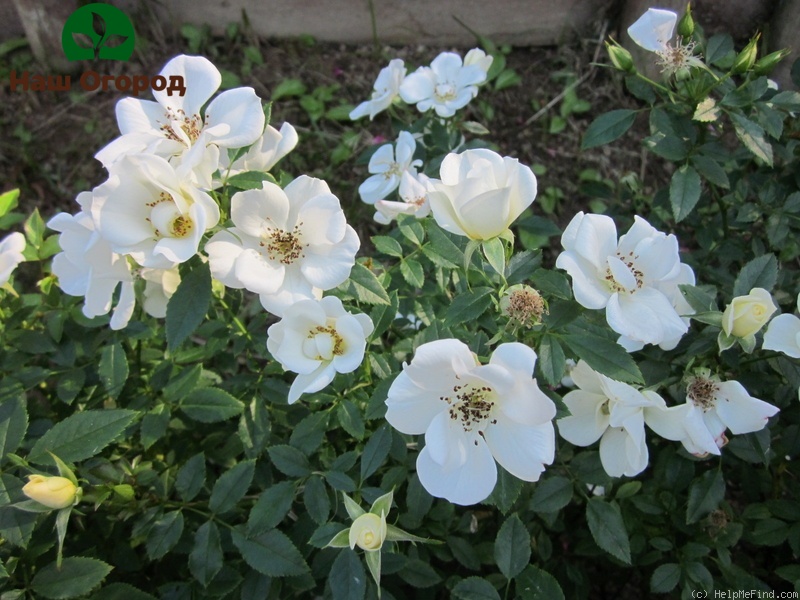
[98, 31]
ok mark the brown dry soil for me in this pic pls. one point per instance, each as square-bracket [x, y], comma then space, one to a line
[48, 138]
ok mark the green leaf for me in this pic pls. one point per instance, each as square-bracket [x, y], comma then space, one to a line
[412, 272]
[684, 192]
[665, 578]
[289, 460]
[447, 253]
[205, 559]
[113, 369]
[375, 451]
[270, 553]
[506, 490]
[164, 534]
[705, 494]
[13, 425]
[77, 576]
[211, 405]
[365, 286]
[387, 245]
[154, 425]
[411, 229]
[250, 180]
[604, 356]
[468, 306]
[288, 87]
[270, 509]
[760, 272]
[608, 127]
[81, 435]
[512, 547]
[8, 201]
[231, 487]
[552, 361]
[608, 528]
[552, 494]
[308, 434]
[475, 588]
[711, 171]
[752, 136]
[419, 574]
[350, 419]
[121, 591]
[495, 253]
[34, 229]
[191, 477]
[534, 583]
[189, 304]
[316, 499]
[347, 579]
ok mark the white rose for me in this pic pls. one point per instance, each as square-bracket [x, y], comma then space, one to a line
[746, 315]
[481, 193]
[368, 532]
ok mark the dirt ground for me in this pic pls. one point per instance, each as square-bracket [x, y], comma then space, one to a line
[49, 138]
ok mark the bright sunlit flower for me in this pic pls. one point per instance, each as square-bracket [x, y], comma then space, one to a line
[634, 279]
[746, 315]
[173, 125]
[286, 245]
[711, 407]
[388, 165]
[11, 249]
[480, 193]
[446, 86]
[264, 154]
[653, 32]
[472, 415]
[53, 492]
[612, 412]
[414, 195]
[317, 339]
[384, 91]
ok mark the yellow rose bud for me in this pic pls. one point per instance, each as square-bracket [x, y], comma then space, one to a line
[53, 492]
[745, 315]
[368, 532]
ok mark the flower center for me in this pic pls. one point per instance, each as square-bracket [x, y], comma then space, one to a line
[191, 126]
[702, 392]
[526, 307]
[674, 58]
[167, 220]
[471, 406]
[394, 169]
[444, 92]
[634, 277]
[323, 343]
[284, 246]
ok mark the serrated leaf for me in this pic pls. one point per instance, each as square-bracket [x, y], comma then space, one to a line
[365, 286]
[512, 547]
[347, 579]
[205, 559]
[308, 434]
[705, 494]
[13, 425]
[270, 509]
[551, 360]
[191, 477]
[188, 306]
[316, 500]
[752, 136]
[684, 192]
[605, 356]
[608, 127]
[665, 578]
[760, 272]
[475, 588]
[387, 245]
[412, 272]
[411, 229]
[113, 369]
[211, 405]
[506, 490]
[164, 534]
[270, 553]
[350, 419]
[375, 451]
[77, 576]
[468, 306]
[706, 111]
[121, 591]
[250, 180]
[81, 435]
[608, 528]
[711, 171]
[535, 583]
[552, 494]
[231, 486]
[289, 460]
[8, 201]
[448, 254]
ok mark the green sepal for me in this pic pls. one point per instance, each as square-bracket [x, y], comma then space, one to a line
[352, 507]
[62, 519]
[340, 540]
[374, 565]
[748, 343]
[710, 317]
[382, 505]
[725, 341]
[31, 506]
[495, 252]
[63, 469]
[472, 245]
[395, 534]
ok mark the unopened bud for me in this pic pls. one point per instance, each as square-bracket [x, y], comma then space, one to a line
[620, 57]
[53, 492]
[686, 24]
[765, 64]
[368, 532]
[747, 57]
[523, 304]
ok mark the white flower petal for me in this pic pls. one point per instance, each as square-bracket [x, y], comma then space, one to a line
[467, 484]
[239, 109]
[200, 77]
[587, 422]
[783, 335]
[740, 412]
[653, 29]
[522, 450]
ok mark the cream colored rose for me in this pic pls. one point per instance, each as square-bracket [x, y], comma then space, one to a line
[368, 532]
[746, 315]
[53, 492]
[480, 193]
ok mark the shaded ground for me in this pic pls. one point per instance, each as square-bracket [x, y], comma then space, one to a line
[49, 138]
